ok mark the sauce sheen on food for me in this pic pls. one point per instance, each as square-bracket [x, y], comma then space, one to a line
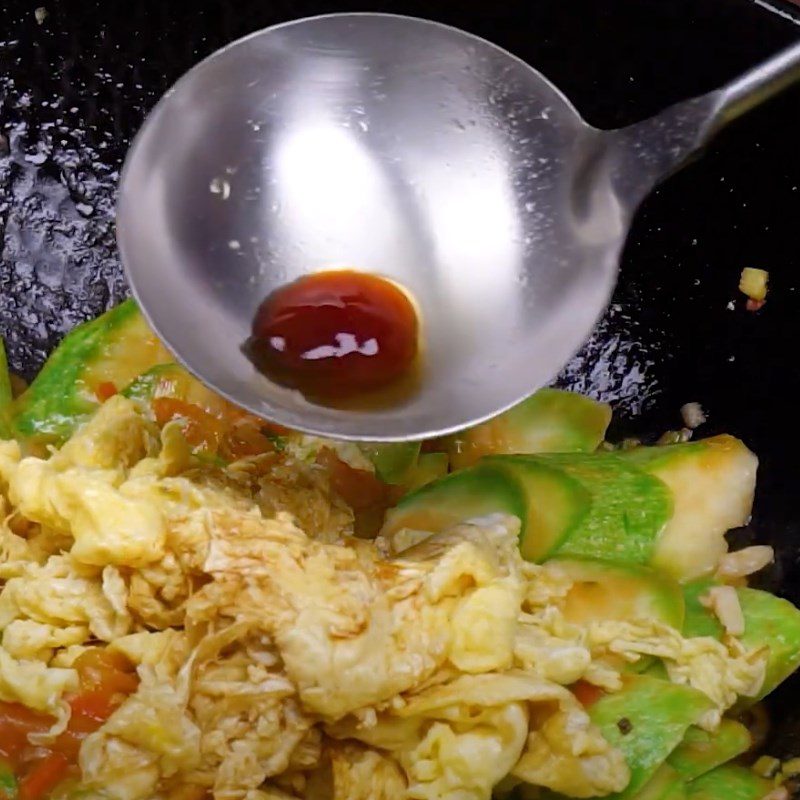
[335, 335]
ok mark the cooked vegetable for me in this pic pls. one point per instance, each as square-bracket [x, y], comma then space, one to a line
[666, 784]
[744, 562]
[172, 380]
[712, 484]
[594, 506]
[604, 590]
[659, 713]
[701, 751]
[429, 467]
[209, 606]
[550, 421]
[109, 351]
[698, 620]
[475, 492]
[769, 622]
[724, 603]
[394, 461]
[212, 425]
[627, 513]
[43, 776]
[729, 782]
[555, 503]
[8, 783]
[571, 505]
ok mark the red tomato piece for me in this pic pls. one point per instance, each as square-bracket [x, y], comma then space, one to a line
[105, 390]
[43, 777]
[587, 693]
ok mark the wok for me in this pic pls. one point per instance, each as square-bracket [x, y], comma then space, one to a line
[77, 78]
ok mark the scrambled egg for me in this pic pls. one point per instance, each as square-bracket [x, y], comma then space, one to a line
[279, 656]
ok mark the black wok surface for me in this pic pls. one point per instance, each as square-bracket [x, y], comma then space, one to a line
[75, 87]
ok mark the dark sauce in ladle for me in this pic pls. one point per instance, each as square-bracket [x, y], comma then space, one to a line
[338, 337]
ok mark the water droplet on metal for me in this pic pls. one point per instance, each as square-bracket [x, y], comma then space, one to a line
[221, 187]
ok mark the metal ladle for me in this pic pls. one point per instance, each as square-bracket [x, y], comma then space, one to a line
[406, 148]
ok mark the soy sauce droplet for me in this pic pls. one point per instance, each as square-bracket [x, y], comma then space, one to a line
[335, 335]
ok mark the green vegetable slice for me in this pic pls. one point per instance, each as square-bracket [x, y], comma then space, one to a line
[8, 782]
[108, 351]
[657, 715]
[729, 782]
[603, 590]
[769, 622]
[712, 484]
[393, 461]
[556, 504]
[572, 505]
[550, 421]
[628, 512]
[172, 380]
[701, 751]
[699, 621]
[475, 492]
[429, 468]
[666, 784]
[772, 622]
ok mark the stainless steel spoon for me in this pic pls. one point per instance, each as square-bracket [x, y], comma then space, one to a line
[410, 149]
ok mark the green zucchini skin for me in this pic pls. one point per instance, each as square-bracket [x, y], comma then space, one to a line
[570, 505]
[603, 590]
[701, 751]
[475, 492]
[656, 715]
[769, 621]
[658, 712]
[666, 784]
[114, 348]
[549, 421]
[393, 461]
[729, 782]
[8, 782]
[712, 483]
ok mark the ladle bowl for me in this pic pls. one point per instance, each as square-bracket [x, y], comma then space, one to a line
[412, 150]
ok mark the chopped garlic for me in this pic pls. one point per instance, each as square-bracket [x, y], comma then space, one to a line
[40, 14]
[766, 766]
[791, 768]
[753, 283]
[724, 602]
[745, 562]
[693, 415]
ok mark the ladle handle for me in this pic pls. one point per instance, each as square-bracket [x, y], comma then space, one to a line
[643, 154]
[757, 85]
